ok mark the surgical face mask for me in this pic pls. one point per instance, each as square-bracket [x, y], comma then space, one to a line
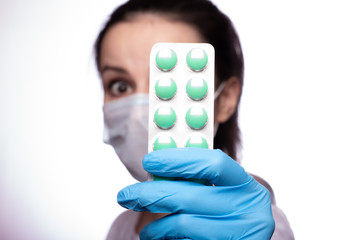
[126, 130]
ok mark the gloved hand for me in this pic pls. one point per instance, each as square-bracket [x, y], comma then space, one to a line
[237, 207]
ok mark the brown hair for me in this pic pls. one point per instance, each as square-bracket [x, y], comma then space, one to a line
[216, 28]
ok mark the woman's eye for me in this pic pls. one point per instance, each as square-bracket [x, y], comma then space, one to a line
[117, 88]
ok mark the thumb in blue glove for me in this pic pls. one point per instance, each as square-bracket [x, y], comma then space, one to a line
[236, 207]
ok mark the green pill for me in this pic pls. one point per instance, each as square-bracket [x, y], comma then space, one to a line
[163, 142]
[196, 88]
[197, 59]
[166, 59]
[197, 141]
[165, 117]
[165, 88]
[196, 117]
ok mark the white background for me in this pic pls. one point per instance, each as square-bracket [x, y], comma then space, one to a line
[299, 115]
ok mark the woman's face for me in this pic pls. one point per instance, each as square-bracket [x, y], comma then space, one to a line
[125, 52]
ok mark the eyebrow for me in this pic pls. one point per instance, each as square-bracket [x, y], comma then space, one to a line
[112, 68]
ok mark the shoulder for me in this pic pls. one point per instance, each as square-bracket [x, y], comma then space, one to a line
[282, 229]
[124, 226]
[266, 185]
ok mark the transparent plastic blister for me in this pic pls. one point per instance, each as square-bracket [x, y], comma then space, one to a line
[181, 96]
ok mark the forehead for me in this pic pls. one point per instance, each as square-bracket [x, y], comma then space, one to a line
[134, 38]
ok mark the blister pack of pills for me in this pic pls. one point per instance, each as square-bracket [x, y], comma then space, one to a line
[181, 96]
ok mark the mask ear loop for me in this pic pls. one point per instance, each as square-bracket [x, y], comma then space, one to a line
[216, 95]
[219, 90]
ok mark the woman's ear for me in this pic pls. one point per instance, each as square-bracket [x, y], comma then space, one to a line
[227, 101]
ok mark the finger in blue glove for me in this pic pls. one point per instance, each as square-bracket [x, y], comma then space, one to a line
[237, 207]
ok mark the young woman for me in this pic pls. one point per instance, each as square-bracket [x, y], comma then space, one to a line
[237, 206]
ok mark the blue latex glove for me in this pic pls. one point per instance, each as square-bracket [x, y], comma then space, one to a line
[237, 207]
